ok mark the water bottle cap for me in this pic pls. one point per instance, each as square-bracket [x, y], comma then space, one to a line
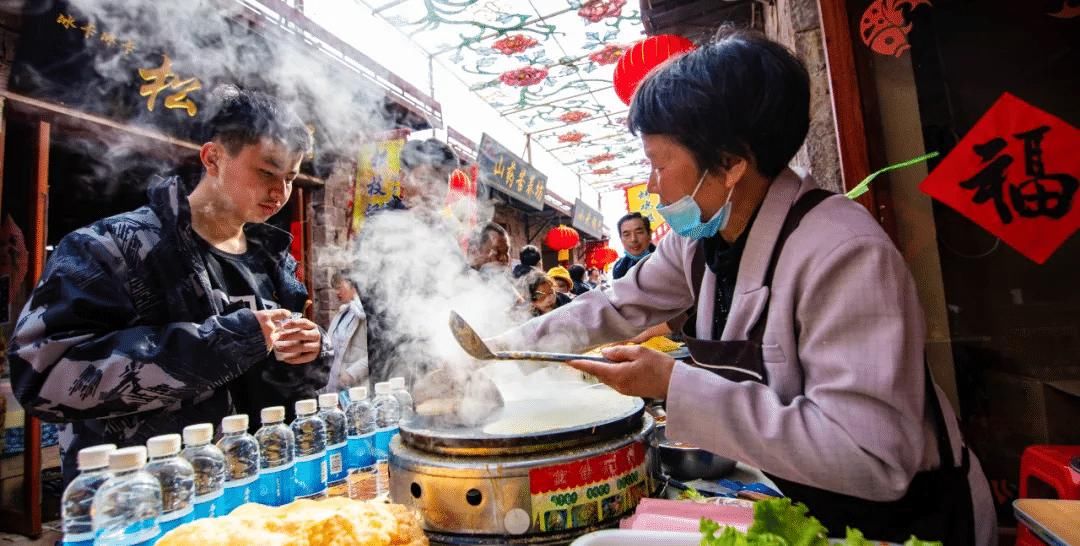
[305, 407]
[234, 423]
[163, 446]
[397, 383]
[382, 388]
[273, 414]
[358, 393]
[95, 456]
[128, 458]
[198, 434]
[328, 400]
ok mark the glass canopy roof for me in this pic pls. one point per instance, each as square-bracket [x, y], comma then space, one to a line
[545, 66]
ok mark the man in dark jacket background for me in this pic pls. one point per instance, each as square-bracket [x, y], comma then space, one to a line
[636, 236]
[166, 316]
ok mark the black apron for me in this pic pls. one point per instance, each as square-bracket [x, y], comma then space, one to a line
[937, 505]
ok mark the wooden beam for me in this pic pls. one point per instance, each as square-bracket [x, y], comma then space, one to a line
[62, 113]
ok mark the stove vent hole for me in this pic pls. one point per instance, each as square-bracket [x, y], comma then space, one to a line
[473, 497]
[415, 489]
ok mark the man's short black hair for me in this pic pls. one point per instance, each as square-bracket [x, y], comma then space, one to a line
[245, 116]
[742, 95]
[577, 273]
[529, 255]
[635, 216]
[431, 152]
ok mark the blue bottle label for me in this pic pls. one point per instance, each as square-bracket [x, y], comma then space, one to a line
[382, 442]
[207, 506]
[236, 492]
[361, 451]
[78, 539]
[336, 469]
[140, 533]
[172, 520]
[311, 475]
[276, 485]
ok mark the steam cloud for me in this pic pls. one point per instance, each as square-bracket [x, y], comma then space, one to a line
[412, 262]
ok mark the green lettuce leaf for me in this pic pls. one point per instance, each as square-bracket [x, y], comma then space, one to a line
[916, 542]
[787, 521]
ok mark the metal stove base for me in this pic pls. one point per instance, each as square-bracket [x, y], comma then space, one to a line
[550, 539]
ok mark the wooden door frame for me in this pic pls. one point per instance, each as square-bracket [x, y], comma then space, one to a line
[858, 136]
[28, 520]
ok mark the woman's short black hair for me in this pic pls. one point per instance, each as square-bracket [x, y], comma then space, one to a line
[529, 255]
[742, 95]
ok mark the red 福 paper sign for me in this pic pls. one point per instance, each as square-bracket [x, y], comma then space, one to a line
[1015, 174]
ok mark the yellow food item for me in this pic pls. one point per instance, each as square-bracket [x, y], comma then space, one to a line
[335, 521]
[662, 344]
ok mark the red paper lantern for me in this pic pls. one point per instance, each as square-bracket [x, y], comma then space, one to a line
[601, 257]
[461, 184]
[643, 57]
[562, 238]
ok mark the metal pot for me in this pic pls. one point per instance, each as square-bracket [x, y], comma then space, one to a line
[689, 463]
[538, 489]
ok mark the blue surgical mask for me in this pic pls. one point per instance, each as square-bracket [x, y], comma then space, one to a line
[638, 257]
[684, 215]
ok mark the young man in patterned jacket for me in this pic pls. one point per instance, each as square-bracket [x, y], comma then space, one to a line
[171, 314]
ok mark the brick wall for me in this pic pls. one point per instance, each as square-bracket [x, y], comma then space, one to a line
[329, 217]
[797, 24]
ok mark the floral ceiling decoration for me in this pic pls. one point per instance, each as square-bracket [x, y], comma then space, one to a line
[545, 65]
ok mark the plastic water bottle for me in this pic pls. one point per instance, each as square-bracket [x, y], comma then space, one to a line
[127, 506]
[387, 415]
[336, 442]
[276, 483]
[177, 479]
[241, 462]
[405, 401]
[79, 495]
[310, 454]
[209, 464]
[360, 454]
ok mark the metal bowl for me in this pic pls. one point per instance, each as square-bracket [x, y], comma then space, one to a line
[689, 463]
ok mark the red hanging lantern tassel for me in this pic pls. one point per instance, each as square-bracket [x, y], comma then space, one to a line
[562, 238]
[644, 56]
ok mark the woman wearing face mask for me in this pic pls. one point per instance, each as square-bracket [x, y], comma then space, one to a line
[804, 323]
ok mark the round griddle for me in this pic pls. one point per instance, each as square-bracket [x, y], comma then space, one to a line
[440, 436]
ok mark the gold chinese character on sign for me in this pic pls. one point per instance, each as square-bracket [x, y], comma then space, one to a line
[88, 30]
[162, 78]
[540, 190]
[108, 38]
[521, 180]
[532, 185]
[499, 168]
[66, 21]
[510, 171]
[128, 47]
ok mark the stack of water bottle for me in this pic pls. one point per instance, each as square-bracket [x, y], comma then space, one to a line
[119, 498]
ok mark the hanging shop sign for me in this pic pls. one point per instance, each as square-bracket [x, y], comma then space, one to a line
[501, 170]
[638, 199]
[377, 184]
[1015, 173]
[587, 219]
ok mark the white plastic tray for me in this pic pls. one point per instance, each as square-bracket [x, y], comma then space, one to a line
[628, 537]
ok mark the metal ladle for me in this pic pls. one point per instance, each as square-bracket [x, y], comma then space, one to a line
[472, 344]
